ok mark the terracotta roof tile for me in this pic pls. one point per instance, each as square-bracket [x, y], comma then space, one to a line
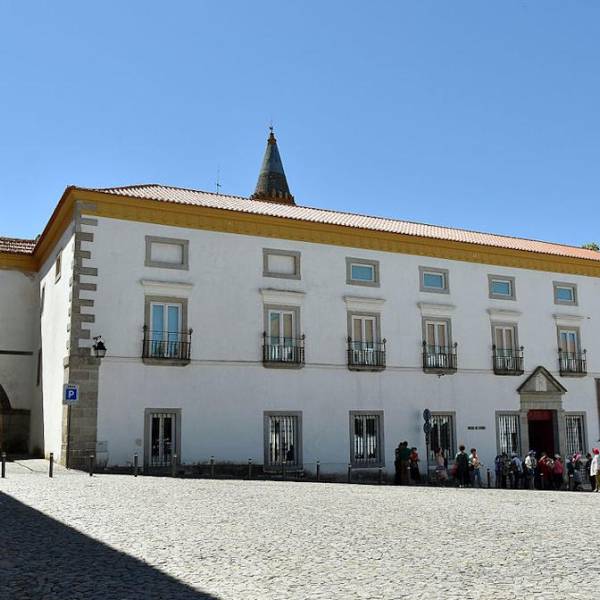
[16, 246]
[316, 215]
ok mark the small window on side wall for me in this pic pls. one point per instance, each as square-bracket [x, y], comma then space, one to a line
[167, 253]
[284, 264]
[565, 293]
[58, 266]
[434, 280]
[501, 287]
[360, 271]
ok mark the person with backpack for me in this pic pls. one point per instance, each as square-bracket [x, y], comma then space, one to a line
[516, 470]
[462, 467]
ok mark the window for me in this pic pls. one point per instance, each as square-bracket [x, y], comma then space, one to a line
[165, 335]
[575, 430]
[58, 266]
[365, 347]
[509, 433]
[442, 435]
[362, 272]
[162, 433]
[501, 288]
[438, 351]
[565, 293]
[283, 440]
[434, 280]
[571, 359]
[167, 253]
[282, 340]
[505, 340]
[366, 439]
[284, 264]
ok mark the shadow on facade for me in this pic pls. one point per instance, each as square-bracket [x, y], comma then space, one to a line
[43, 558]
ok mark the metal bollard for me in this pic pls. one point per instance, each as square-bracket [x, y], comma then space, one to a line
[249, 468]
[318, 470]
[51, 465]
[283, 471]
[212, 467]
[135, 465]
[3, 465]
[489, 479]
[91, 467]
[349, 473]
[380, 475]
[174, 465]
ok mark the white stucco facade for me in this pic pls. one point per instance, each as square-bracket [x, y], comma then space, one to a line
[224, 391]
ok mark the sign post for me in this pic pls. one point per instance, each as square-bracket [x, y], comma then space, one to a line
[427, 431]
[70, 397]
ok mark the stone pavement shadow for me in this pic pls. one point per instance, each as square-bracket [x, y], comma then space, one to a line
[43, 559]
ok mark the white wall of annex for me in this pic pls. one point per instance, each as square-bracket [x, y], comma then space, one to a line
[225, 390]
[54, 330]
[18, 320]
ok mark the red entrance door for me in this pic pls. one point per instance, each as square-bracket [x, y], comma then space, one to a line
[541, 431]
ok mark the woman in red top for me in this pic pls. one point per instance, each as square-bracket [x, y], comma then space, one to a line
[557, 472]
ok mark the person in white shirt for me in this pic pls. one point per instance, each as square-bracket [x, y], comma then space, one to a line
[595, 467]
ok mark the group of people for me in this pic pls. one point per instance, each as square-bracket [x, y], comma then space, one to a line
[545, 472]
[548, 472]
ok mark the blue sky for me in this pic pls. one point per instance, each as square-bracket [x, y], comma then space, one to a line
[481, 115]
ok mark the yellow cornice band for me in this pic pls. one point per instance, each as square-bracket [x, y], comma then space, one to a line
[212, 219]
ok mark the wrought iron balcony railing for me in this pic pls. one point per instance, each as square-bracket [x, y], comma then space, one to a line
[167, 345]
[366, 356]
[572, 364]
[439, 359]
[281, 351]
[507, 361]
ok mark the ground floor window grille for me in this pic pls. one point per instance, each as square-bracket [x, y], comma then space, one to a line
[442, 436]
[366, 435]
[283, 440]
[509, 433]
[575, 428]
[162, 438]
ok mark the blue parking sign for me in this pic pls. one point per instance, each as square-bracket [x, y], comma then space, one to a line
[70, 393]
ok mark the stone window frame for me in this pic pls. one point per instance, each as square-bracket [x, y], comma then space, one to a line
[299, 454]
[148, 300]
[148, 412]
[366, 262]
[185, 252]
[380, 438]
[437, 271]
[583, 415]
[565, 284]
[506, 324]
[58, 266]
[281, 307]
[277, 252]
[496, 296]
[360, 313]
[574, 328]
[510, 413]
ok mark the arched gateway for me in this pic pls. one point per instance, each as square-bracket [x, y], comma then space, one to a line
[542, 416]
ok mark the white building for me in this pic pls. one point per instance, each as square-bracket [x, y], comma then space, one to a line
[254, 328]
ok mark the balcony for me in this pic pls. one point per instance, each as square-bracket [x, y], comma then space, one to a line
[366, 356]
[507, 361]
[441, 360]
[283, 352]
[166, 347]
[572, 364]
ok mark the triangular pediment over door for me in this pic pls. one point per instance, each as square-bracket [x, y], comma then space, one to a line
[541, 381]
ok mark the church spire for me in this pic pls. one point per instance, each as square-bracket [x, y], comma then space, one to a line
[272, 185]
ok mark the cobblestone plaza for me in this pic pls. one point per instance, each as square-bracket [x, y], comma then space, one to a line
[110, 536]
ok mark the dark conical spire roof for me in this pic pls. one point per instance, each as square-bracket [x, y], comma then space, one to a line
[272, 185]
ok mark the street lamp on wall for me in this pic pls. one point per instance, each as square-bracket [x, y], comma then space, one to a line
[99, 349]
